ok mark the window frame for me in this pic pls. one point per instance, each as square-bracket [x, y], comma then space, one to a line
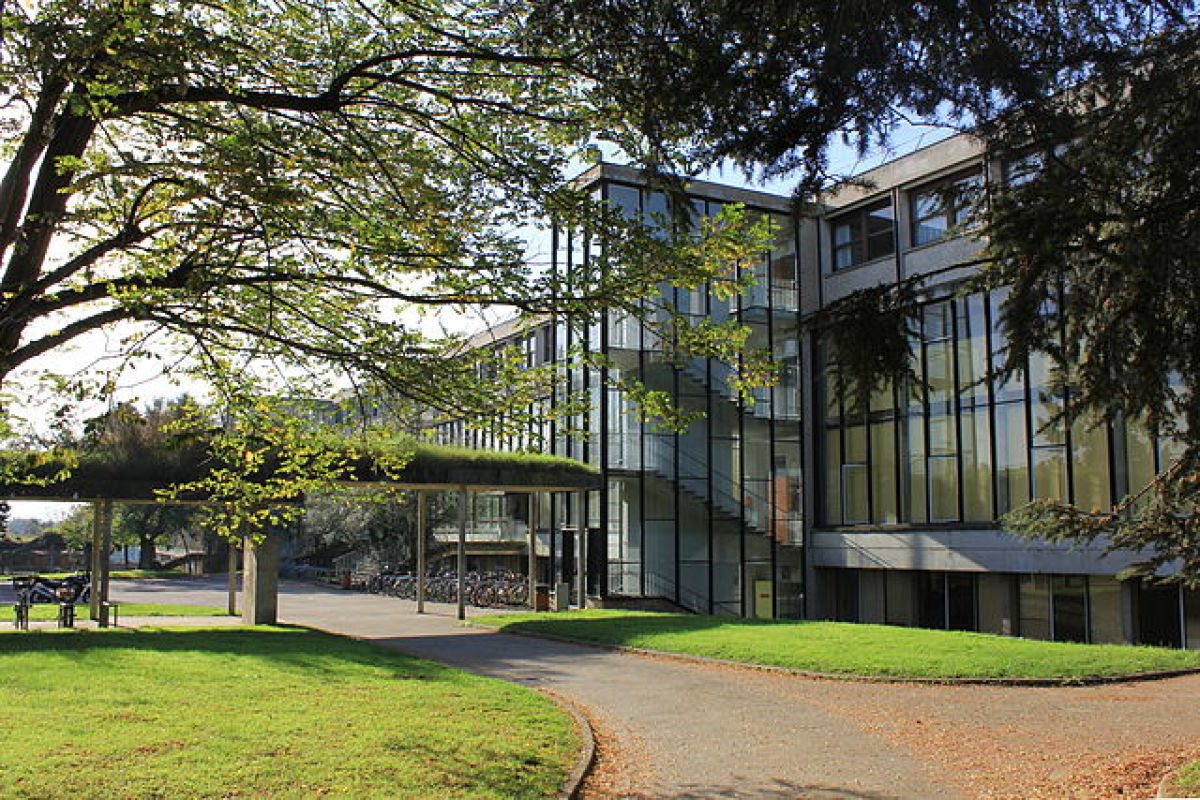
[858, 245]
[952, 212]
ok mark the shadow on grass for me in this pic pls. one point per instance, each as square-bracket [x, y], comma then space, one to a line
[289, 645]
[627, 629]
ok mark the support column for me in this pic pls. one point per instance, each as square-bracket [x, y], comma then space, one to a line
[231, 579]
[106, 549]
[422, 536]
[260, 584]
[533, 523]
[581, 550]
[94, 561]
[462, 554]
[101, 544]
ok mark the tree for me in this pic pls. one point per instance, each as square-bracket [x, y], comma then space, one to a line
[264, 194]
[148, 526]
[1097, 246]
[128, 436]
[382, 524]
[274, 180]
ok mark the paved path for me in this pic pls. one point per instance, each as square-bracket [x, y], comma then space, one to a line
[680, 730]
[670, 729]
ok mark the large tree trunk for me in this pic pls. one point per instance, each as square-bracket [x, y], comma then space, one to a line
[148, 557]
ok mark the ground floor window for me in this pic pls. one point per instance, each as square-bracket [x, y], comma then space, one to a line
[1067, 608]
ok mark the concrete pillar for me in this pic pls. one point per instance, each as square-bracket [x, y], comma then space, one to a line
[94, 561]
[581, 550]
[260, 584]
[533, 523]
[101, 545]
[422, 533]
[462, 554]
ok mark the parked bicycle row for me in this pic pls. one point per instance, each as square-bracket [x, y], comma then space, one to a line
[483, 589]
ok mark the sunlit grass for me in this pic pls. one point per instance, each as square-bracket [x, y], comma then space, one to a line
[840, 647]
[116, 574]
[263, 712]
[47, 611]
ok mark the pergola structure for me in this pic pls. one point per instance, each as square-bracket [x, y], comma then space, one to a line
[429, 469]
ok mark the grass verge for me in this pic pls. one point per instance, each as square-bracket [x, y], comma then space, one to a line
[46, 611]
[116, 574]
[846, 648]
[263, 712]
[1188, 777]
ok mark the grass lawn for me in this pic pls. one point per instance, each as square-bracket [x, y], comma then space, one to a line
[263, 712]
[146, 574]
[846, 648]
[1188, 777]
[45, 611]
[116, 574]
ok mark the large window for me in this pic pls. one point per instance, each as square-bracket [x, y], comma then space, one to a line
[940, 206]
[864, 235]
[963, 443]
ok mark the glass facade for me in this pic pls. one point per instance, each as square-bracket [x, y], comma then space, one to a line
[709, 516]
[963, 446]
[717, 516]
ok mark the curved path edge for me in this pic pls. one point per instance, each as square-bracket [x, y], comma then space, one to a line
[1167, 786]
[584, 760]
[1091, 680]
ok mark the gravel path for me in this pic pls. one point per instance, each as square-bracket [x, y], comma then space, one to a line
[672, 729]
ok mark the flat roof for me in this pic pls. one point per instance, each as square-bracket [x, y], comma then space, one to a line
[715, 191]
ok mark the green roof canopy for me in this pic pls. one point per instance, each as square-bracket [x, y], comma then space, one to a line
[101, 476]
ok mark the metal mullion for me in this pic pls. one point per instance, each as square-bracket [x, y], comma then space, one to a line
[956, 409]
[642, 465]
[800, 417]
[604, 454]
[925, 422]
[841, 471]
[945, 600]
[1029, 434]
[773, 519]
[991, 403]
[708, 446]
[1183, 631]
[897, 454]
[866, 422]
[1068, 421]
[678, 482]
[1087, 609]
[741, 422]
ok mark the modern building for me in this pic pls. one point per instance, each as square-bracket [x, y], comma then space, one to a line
[799, 505]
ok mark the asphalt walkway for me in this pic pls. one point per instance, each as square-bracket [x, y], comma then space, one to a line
[667, 729]
[670, 729]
